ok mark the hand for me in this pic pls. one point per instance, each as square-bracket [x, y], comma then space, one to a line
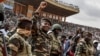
[43, 4]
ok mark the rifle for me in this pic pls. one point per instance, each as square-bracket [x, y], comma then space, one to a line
[4, 44]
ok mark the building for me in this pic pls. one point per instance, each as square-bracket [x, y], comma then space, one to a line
[56, 10]
[8, 4]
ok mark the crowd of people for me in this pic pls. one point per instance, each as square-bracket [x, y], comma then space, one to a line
[40, 37]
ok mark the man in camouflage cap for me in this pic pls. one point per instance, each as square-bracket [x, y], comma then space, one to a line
[40, 40]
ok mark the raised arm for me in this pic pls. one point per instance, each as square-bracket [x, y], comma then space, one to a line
[42, 5]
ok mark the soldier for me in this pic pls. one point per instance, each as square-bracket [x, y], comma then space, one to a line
[55, 42]
[18, 41]
[1, 53]
[85, 48]
[42, 40]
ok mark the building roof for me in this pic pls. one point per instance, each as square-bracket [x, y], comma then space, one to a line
[54, 7]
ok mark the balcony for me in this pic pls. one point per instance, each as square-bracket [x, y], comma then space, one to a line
[54, 7]
[64, 5]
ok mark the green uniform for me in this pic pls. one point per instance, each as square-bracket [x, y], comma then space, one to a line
[55, 44]
[1, 54]
[1, 40]
[20, 45]
[83, 49]
[40, 44]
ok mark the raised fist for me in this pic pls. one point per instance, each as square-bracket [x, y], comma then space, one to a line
[43, 4]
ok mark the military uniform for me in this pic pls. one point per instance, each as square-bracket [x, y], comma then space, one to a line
[1, 46]
[20, 45]
[84, 49]
[41, 44]
[55, 44]
[1, 54]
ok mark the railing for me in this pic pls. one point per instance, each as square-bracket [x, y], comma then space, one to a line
[65, 4]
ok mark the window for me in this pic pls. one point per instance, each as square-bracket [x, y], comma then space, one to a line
[56, 17]
[50, 15]
[44, 14]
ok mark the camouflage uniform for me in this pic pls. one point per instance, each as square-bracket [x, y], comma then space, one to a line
[84, 49]
[55, 44]
[3, 43]
[1, 54]
[41, 44]
[20, 45]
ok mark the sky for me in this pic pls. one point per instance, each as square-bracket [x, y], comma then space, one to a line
[89, 14]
